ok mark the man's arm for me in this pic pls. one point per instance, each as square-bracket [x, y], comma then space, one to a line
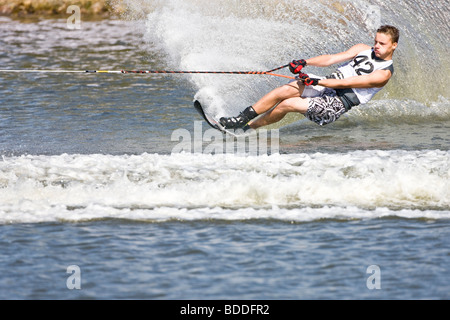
[330, 59]
[376, 79]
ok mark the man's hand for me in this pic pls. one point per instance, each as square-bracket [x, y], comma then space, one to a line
[297, 65]
[307, 81]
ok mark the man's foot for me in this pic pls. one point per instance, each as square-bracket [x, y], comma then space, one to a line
[240, 121]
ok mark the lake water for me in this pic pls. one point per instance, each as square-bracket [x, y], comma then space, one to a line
[112, 187]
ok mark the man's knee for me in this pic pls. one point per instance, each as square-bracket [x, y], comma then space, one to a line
[290, 90]
[293, 105]
[285, 106]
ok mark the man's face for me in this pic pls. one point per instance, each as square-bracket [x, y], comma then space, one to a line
[384, 47]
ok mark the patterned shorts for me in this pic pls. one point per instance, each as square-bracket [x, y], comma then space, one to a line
[324, 106]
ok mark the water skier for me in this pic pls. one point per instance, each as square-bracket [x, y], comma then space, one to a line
[324, 99]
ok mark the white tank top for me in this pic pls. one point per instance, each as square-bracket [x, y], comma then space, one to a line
[364, 63]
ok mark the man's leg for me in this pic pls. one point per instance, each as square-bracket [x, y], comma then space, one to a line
[287, 91]
[276, 114]
[291, 90]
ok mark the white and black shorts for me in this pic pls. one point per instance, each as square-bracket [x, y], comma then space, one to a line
[324, 105]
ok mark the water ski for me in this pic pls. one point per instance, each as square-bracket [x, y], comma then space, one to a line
[213, 122]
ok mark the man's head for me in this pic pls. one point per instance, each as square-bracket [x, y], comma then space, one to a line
[386, 42]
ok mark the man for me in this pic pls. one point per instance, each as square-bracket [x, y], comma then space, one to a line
[324, 99]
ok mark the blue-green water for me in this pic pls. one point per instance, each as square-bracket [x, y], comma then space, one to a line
[257, 259]
[92, 174]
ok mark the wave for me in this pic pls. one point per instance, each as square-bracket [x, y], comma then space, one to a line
[95, 212]
[184, 186]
